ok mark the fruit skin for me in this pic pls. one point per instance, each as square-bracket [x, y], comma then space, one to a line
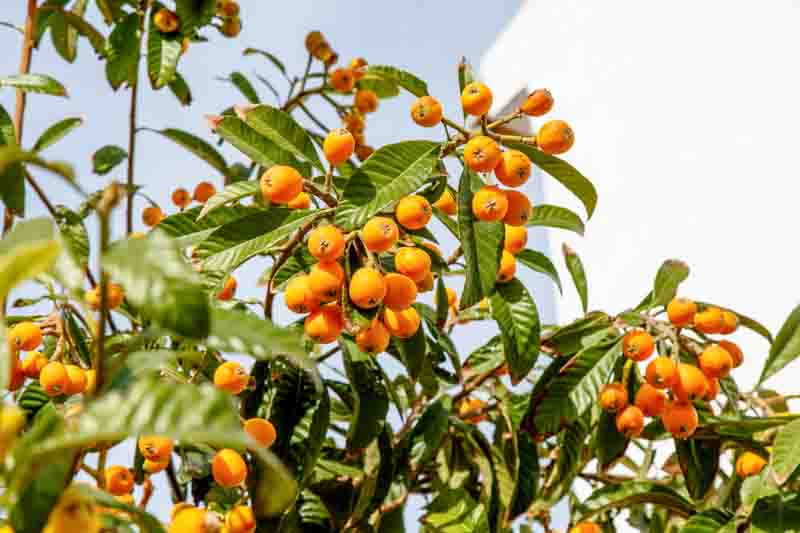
[513, 169]
[749, 464]
[342, 80]
[662, 373]
[447, 203]
[299, 297]
[735, 352]
[413, 212]
[471, 405]
[326, 280]
[581, 527]
[555, 137]
[715, 361]
[261, 430]
[366, 101]
[33, 364]
[373, 340]
[691, 383]
[709, 321]
[681, 312]
[426, 111]
[313, 41]
[76, 380]
[154, 467]
[231, 377]
[91, 381]
[482, 154]
[353, 122]
[613, 397]
[401, 291]
[114, 297]
[231, 27]
[25, 336]
[119, 480]
[638, 345]
[630, 421]
[538, 103]
[712, 389]
[227, 9]
[17, 376]
[181, 197]
[338, 146]
[426, 285]
[155, 448]
[240, 519]
[476, 99]
[189, 520]
[650, 400]
[508, 267]
[516, 238]
[203, 191]
[412, 262]
[280, 184]
[730, 322]
[228, 289]
[452, 297]
[166, 21]
[379, 234]
[367, 288]
[152, 215]
[358, 66]
[228, 468]
[489, 204]
[73, 513]
[402, 324]
[519, 209]
[680, 419]
[54, 379]
[301, 201]
[325, 324]
[363, 151]
[326, 243]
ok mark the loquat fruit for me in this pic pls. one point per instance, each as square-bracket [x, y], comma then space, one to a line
[482, 154]
[516, 238]
[231, 377]
[749, 464]
[519, 209]
[181, 197]
[261, 430]
[280, 184]
[555, 137]
[119, 480]
[638, 345]
[325, 324]
[359, 66]
[413, 212]
[403, 323]
[447, 203]
[338, 146]
[25, 336]
[489, 204]
[17, 376]
[228, 289]
[379, 234]
[240, 519]
[730, 322]
[712, 389]
[155, 448]
[203, 191]
[426, 285]
[401, 291]
[228, 468]
[326, 280]
[513, 169]
[680, 419]
[154, 467]
[76, 380]
[470, 410]
[33, 364]
[583, 527]
[114, 296]
[709, 321]
[342, 80]
[299, 297]
[452, 297]
[538, 103]
[662, 372]
[367, 288]
[190, 519]
[613, 397]
[152, 216]
[426, 111]
[313, 41]
[476, 99]
[508, 267]
[227, 9]
[691, 383]
[54, 379]
[374, 339]
[166, 21]
[326, 243]
[366, 101]
[735, 352]
[681, 312]
[412, 262]
[231, 27]
[301, 201]
[353, 122]
[630, 421]
[715, 361]
[650, 400]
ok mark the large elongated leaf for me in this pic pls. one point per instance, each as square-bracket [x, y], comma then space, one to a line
[635, 492]
[241, 82]
[786, 347]
[194, 14]
[12, 155]
[79, 24]
[526, 486]
[575, 268]
[28, 250]
[427, 436]
[540, 263]
[279, 127]
[404, 79]
[270, 57]
[163, 53]
[181, 89]
[160, 283]
[710, 521]
[74, 234]
[197, 146]
[671, 274]
[64, 34]
[190, 230]
[12, 179]
[776, 513]
[34, 83]
[609, 444]
[370, 395]
[123, 52]
[147, 522]
[786, 452]
[391, 173]
[553, 216]
[456, 512]
[699, 461]
[56, 132]
[258, 148]
[232, 193]
[518, 319]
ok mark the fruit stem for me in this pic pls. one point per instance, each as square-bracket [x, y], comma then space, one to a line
[463, 131]
[503, 120]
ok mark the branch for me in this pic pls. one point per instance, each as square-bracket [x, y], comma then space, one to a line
[132, 122]
[287, 252]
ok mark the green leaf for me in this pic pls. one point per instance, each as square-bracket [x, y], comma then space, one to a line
[56, 132]
[636, 492]
[540, 263]
[786, 347]
[148, 522]
[671, 274]
[74, 234]
[609, 444]
[12, 180]
[255, 146]
[518, 319]
[231, 193]
[11, 155]
[158, 280]
[197, 146]
[429, 433]
[122, 60]
[34, 83]
[442, 305]
[553, 216]
[382, 87]
[575, 267]
[562, 171]
[746, 321]
[484, 359]
[391, 173]
[404, 79]
[526, 487]
[786, 452]
[181, 89]
[78, 23]
[412, 351]
[776, 513]
[481, 242]
[194, 14]
[271, 58]
[30, 513]
[369, 391]
[241, 82]
[455, 511]
[106, 158]
[65, 35]
[699, 461]
[29, 249]
[710, 521]
[163, 53]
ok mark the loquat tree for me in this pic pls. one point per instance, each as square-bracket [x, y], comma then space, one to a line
[232, 408]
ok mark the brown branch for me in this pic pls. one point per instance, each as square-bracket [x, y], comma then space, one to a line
[175, 486]
[287, 252]
[134, 107]
[302, 95]
[24, 68]
[326, 197]
[474, 384]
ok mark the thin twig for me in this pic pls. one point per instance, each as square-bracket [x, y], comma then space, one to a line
[132, 123]
[177, 490]
[314, 119]
[287, 252]
[463, 131]
[298, 99]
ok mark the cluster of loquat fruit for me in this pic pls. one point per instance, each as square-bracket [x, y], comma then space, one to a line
[168, 22]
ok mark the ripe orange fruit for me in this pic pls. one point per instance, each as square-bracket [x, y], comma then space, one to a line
[426, 111]
[709, 321]
[650, 400]
[54, 379]
[712, 389]
[681, 312]
[231, 377]
[482, 154]
[353, 122]
[730, 322]
[715, 361]
[325, 324]
[181, 197]
[447, 203]
[373, 340]
[152, 215]
[228, 289]
[469, 409]
[76, 380]
[401, 291]
[513, 169]
[301, 201]
[516, 237]
[555, 137]
[508, 267]
[363, 151]
[119, 480]
[227, 9]
[691, 383]
[367, 288]
[166, 21]
[240, 519]
[379, 234]
[538, 103]
[403, 323]
[280, 184]
[412, 262]
[25, 336]
[358, 66]
[154, 467]
[426, 285]
[189, 520]
[231, 27]
[365, 101]
[342, 80]
[630, 421]
[613, 397]
[228, 468]
[326, 243]
[476, 99]
[313, 40]
[326, 280]
[490, 203]
[638, 345]
[433, 248]
[662, 372]
[452, 297]
[262, 431]
[203, 191]
[155, 448]
[91, 381]
[338, 146]
[735, 352]
[749, 464]
[33, 364]
[583, 527]
[17, 376]
[114, 296]
[413, 212]
[299, 296]
[680, 419]
[519, 209]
